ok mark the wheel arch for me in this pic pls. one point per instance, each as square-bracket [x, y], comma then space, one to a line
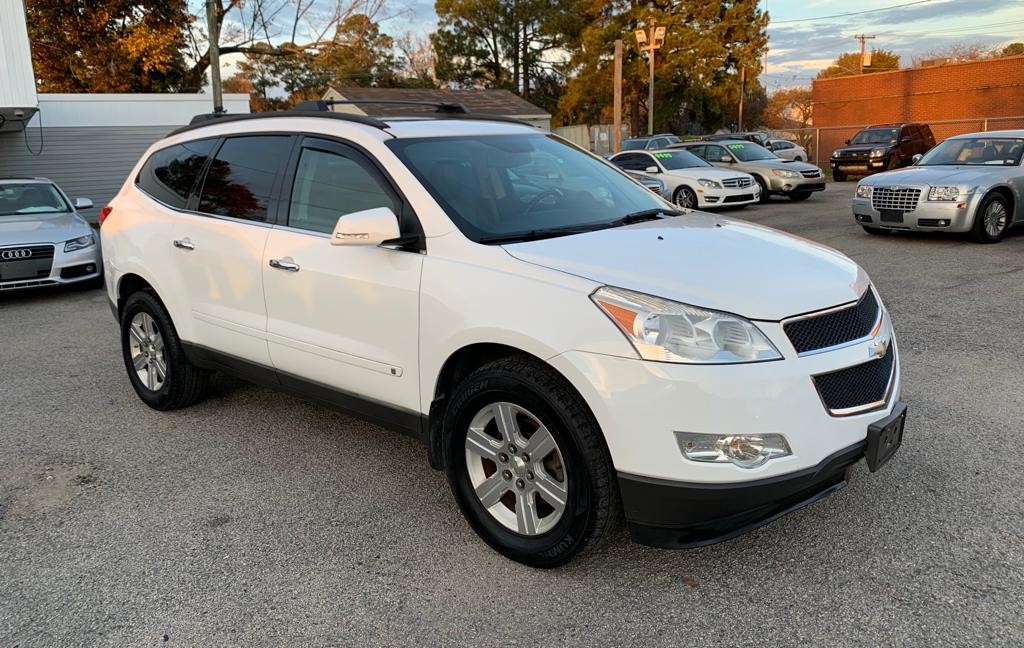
[131, 283]
[1007, 194]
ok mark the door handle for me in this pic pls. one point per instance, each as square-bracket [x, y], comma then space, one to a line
[184, 244]
[281, 264]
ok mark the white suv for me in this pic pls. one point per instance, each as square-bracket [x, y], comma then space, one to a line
[566, 346]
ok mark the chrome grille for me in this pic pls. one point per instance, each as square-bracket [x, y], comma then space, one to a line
[811, 174]
[902, 199]
[25, 262]
[834, 327]
[858, 388]
[737, 183]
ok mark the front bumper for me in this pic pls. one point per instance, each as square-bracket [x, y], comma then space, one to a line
[785, 186]
[859, 166]
[710, 197]
[927, 216]
[66, 267]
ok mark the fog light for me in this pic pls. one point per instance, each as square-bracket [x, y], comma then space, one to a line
[90, 268]
[742, 450]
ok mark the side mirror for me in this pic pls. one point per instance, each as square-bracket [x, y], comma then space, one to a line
[367, 227]
[652, 169]
[726, 158]
[83, 203]
[916, 158]
[847, 141]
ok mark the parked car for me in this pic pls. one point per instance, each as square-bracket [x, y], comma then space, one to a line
[971, 183]
[795, 180]
[880, 148]
[787, 150]
[750, 136]
[649, 142]
[655, 185]
[690, 182]
[566, 351]
[43, 240]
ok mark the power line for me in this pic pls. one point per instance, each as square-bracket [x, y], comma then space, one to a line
[852, 13]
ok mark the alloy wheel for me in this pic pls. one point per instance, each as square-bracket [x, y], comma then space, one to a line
[685, 199]
[516, 468]
[146, 347]
[995, 218]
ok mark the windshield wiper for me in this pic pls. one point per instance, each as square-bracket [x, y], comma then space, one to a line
[538, 234]
[646, 215]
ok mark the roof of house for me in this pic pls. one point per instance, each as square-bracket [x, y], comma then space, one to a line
[484, 102]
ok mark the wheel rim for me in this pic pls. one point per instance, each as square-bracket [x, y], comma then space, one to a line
[146, 347]
[516, 469]
[684, 199]
[995, 218]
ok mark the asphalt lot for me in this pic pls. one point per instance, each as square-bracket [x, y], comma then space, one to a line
[257, 519]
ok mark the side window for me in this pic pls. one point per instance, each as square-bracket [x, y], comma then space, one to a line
[644, 162]
[700, 151]
[628, 161]
[658, 142]
[169, 174]
[714, 153]
[241, 176]
[330, 185]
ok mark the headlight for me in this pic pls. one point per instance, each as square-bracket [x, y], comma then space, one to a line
[863, 191]
[79, 243]
[786, 173]
[877, 153]
[668, 331]
[835, 153]
[745, 451]
[709, 183]
[943, 193]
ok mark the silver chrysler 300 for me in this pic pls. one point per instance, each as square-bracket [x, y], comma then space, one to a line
[43, 240]
[970, 183]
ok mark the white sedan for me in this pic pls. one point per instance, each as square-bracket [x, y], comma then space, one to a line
[690, 182]
[788, 150]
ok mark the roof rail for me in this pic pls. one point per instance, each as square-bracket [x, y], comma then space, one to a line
[210, 119]
[322, 105]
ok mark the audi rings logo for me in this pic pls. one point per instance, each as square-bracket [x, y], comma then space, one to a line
[13, 255]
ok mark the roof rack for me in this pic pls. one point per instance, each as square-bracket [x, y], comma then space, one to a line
[209, 119]
[323, 105]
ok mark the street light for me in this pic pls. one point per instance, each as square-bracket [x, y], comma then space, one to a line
[649, 44]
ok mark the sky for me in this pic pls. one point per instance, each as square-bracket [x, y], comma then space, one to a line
[800, 44]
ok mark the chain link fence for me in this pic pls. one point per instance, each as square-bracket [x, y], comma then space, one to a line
[820, 142]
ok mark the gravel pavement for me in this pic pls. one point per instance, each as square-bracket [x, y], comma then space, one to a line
[254, 519]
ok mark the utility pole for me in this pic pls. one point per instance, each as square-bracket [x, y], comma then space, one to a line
[649, 45]
[862, 38]
[211, 27]
[617, 107]
[743, 91]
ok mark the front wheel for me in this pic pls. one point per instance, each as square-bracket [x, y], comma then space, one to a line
[991, 220]
[764, 197]
[838, 176]
[685, 197]
[527, 464]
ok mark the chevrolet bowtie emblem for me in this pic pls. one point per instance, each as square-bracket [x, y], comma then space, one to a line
[879, 347]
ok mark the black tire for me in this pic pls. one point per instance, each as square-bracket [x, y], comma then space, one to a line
[799, 196]
[592, 507]
[684, 193]
[764, 197]
[798, 159]
[979, 234]
[184, 384]
[878, 231]
[838, 176]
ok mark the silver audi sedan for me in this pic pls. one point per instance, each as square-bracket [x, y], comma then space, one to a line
[43, 240]
[971, 183]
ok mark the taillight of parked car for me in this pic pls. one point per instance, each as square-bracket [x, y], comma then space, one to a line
[105, 212]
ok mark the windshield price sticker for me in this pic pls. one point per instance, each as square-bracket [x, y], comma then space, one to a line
[663, 156]
[736, 147]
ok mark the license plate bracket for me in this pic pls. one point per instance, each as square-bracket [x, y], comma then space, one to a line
[890, 215]
[885, 438]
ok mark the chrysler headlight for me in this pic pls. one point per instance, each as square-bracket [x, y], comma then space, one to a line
[669, 331]
[786, 173]
[79, 243]
[863, 191]
[711, 184]
[943, 193]
[877, 153]
[742, 450]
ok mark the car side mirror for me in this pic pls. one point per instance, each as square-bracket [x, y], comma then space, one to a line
[652, 169]
[367, 227]
[847, 141]
[916, 158]
[726, 158]
[83, 203]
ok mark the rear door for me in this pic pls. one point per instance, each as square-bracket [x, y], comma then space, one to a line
[346, 317]
[219, 245]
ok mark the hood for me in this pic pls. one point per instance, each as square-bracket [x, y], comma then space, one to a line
[707, 261]
[952, 175]
[779, 163]
[711, 173]
[41, 228]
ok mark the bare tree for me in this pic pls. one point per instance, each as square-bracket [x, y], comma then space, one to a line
[956, 53]
[417, 56]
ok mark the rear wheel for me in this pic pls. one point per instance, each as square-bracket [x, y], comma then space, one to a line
[838, 176]
[684, 197]
[527, 464]
[157, 367]
[991, 219]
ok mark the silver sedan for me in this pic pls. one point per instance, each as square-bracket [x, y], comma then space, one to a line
[43, 240]
[971, 183]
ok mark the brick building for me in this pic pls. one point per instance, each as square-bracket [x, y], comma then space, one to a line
[969, 93]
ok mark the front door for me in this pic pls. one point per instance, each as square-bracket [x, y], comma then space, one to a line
[346, 317]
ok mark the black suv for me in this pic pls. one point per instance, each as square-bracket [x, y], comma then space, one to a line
[880, 148]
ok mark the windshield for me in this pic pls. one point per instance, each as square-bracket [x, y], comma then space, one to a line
[495, 186]
[987, 151]
[31, 198]
[876, 136]
[748, 151]
[673, 160]
[634, 144]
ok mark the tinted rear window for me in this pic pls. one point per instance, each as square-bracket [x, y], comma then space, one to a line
[170, 173]
[241, 176]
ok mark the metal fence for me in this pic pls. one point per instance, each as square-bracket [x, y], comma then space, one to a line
[820, 142]
[597, 138]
